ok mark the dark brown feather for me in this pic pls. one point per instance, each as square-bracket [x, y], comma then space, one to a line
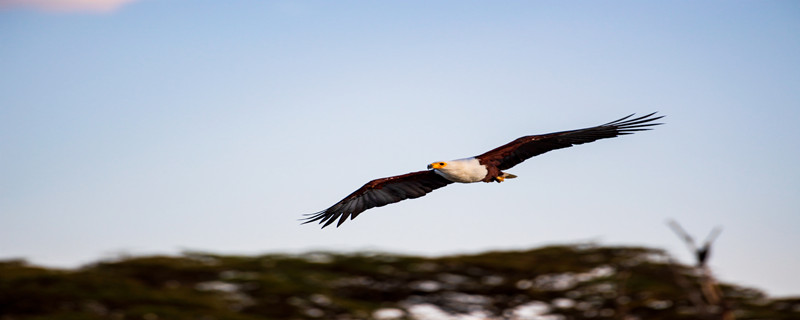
[380, 192]
[519, 150]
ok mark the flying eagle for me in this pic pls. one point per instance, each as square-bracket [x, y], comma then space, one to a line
[485, 167]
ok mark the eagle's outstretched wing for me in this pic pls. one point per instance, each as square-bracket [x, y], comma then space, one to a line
[519, 150]
[380, 192]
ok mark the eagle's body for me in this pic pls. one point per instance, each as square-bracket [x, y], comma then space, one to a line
[486, 167]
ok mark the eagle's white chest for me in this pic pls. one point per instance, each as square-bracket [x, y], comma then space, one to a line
[463, 170]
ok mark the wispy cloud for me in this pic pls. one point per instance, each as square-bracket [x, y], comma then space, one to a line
[95, 6]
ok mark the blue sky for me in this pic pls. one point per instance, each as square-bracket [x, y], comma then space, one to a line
[158, 126]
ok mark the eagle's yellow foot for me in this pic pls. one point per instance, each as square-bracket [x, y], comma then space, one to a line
[504, 176]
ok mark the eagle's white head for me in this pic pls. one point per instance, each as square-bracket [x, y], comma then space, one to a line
[461, 170]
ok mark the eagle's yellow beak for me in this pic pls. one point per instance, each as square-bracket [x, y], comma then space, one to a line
[437, 165]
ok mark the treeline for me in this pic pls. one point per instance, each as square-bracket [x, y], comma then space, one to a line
[557, 282]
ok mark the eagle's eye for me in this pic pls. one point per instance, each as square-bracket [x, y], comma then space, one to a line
[441, 164]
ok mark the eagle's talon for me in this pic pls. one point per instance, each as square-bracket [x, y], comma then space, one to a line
[499, 179]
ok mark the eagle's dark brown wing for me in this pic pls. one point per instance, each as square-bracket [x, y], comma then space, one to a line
[380, 192]
[519, 150]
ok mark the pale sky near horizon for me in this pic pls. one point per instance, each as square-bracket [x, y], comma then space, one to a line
[155, 126]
